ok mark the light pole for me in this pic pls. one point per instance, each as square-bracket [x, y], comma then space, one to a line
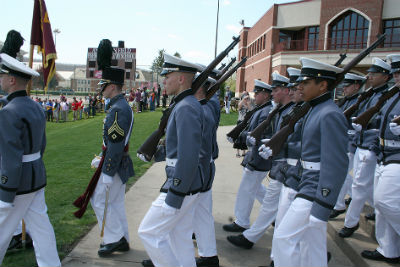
[216, 32]
[56, 31]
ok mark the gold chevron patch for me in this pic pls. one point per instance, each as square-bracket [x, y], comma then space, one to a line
[115, 132]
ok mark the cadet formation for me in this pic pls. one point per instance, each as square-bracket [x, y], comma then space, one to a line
[328, 154]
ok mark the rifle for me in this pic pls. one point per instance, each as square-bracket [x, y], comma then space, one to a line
[396, 120]
[364, 118]
[258, 131]
[353, 108]
[278, 139]
[222, 66]
[340, 60]
[225, 69]
[149, 147]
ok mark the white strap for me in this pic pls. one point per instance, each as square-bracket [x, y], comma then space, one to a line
[292, 162]
[308, 165]
[351, 132]
[278, 160]
[130, 130]
[389, 143]
[31, 157]
[171, 162]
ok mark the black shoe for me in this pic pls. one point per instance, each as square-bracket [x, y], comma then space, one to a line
[336, 213]
[273, 224]
[240, 241]
[376, 256]
[107, 249]
[233, 227]
[207, 261]
[16, 242]
[328, 256]
[272, 264]
[147, 263]
[370, 216]
[193, 236]
[346, 232]
[347, 201]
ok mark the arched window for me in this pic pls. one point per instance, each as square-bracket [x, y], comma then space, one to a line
[349, 31]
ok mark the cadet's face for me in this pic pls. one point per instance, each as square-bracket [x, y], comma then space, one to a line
[278, 93]
[396, 77]
[295, 95]
[171, 83]
[260, 98]
[350, 89]
[376, 79]
[309, 89]
[4, 81]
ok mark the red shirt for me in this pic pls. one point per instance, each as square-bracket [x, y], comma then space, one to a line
[75, 105]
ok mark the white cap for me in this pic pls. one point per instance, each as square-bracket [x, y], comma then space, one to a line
[293, 76]
[311, 69]
[11, 65]
[394, 62]
[260, 86]
[173, 64]
[279, 80]
[380, 66]
[351, 78]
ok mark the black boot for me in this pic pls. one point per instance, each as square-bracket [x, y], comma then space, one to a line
[147, 263]
[347, 201]
[370, 216]
[336, 213]
[207, 261]
[233, 227]
[107, 249]
[240, 241]
[376, 256]
[346, 232]
[16, 242]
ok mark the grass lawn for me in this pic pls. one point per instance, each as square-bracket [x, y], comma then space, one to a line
[70, 149]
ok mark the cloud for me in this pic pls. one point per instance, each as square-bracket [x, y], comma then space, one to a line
[173, 36]
[233, 28]
[226, 2]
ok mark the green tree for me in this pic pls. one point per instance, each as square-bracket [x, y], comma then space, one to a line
[177, 55]
[156, 66]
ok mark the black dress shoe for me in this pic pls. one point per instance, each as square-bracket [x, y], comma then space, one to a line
[207, 261]
[346, 232]
[376, 256]
[240, 241]
[233, 227]
[347, 201]
[16, 242]
[272, 264]
[147, 263]
[328, 256]
[370, 216]
[336, 213]
[193, 236]
[107, 249]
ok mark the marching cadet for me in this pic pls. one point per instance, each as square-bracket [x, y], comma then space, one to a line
[324, 165]
[351, 86]
[23, 175]
[365, 156]
[203, 222]
[109, 196]
[387, 184]
[166, 230]
[269, 207]
[255, 168]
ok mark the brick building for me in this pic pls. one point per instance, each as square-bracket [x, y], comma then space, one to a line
[319, 29]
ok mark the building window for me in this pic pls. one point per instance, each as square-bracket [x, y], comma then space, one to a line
[392, 29]
[91, 74]
[127, 75]
[349, 31]
[313, 35]
[92, 64]
[264, 42]
[128, 65]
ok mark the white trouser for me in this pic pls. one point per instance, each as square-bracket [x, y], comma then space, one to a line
[300, 239]
[203, 226]
[267, 212]
[32, 208]
[249, 189]
[387, 209]
[116, 224]
[346, 188]
[363, 185]
[166, 235]
[227, 106]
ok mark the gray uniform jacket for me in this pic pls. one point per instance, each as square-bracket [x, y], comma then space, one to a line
[389, 143]
[183, 142]
[213, 103]
[350, 132]
[252, 160]
[324, 140]
[279, 163]
[368, 138]
[22, 132]
[117, 130]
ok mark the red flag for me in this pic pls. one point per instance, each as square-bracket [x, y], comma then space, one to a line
[42, 36]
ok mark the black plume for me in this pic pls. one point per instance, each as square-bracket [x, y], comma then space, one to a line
[104, 54]
[13, 43]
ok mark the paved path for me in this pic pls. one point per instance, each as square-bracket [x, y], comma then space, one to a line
[144, 191]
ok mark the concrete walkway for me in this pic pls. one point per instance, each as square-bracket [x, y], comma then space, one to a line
[144, 191]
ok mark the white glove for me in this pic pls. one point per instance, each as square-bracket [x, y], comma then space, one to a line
[264, 141]
[167, 209]
[251, 139]
[395, 128]
[265, 151]
[5, 205]
[356, 127]
[142, 157]
[95, 162]
[107, 179]
[230, 139]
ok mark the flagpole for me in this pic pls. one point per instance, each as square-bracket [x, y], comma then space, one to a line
[29, 87]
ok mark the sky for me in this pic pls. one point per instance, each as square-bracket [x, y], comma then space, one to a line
[184, 26]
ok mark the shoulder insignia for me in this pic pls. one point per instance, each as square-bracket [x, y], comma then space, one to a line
[325, 192]
[4, 179]
[176, 181]
[115, 132]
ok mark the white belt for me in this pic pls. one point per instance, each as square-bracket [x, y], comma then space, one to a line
[389, 143]
[280, 160]
[308, 165]
[171, 162]
[292, 162]
[351, 132]
[31, 157]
